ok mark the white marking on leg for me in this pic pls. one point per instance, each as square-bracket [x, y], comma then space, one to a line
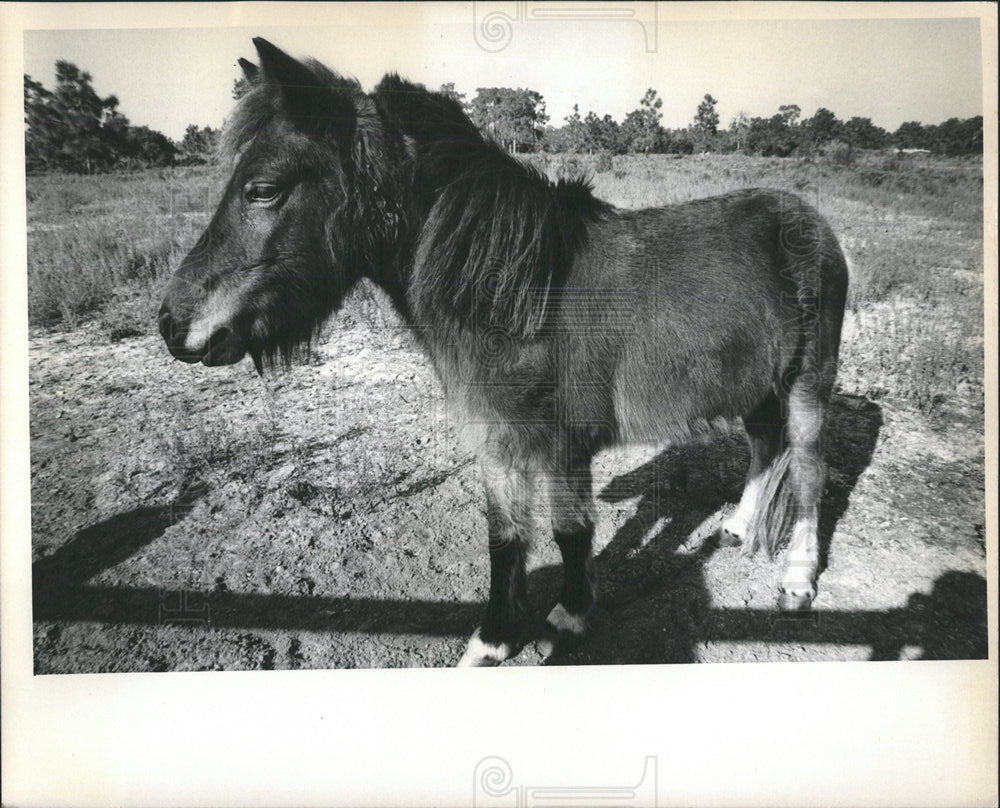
[481, 654]
[803, 558]
[562, 620]
[218, 311]
[738, 522]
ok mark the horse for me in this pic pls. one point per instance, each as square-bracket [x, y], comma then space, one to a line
[557, 324]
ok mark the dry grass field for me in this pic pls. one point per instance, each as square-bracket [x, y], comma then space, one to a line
[188, 518]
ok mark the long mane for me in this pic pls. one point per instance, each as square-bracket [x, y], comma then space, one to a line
[499, 237]
[479, 236]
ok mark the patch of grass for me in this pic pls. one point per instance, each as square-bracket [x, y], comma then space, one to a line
[908, 352]
[603, 163]
[94, 241]
[168, 190]
[209, 451]
[74, 270]
[130, 312]
[947, 190]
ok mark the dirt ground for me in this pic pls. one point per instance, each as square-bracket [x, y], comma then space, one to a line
[191, 518]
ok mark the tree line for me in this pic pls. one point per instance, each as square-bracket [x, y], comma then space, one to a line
[783, 134]
[71, 128]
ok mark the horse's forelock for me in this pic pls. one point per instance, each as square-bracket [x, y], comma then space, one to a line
[252, 114]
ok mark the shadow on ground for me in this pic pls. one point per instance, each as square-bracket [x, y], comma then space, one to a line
[654, 605]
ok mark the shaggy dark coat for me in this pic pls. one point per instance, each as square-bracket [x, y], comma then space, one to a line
[557, 324]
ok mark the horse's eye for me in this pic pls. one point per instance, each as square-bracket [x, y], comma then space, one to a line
[262, 193]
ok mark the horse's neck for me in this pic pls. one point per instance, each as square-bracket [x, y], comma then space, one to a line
[442, 171]
[392, 272]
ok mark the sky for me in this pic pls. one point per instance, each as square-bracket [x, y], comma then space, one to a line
[889, 70]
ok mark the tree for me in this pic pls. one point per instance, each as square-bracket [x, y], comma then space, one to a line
[514, 118]
[575, 133]
[82, 114]
[602, 134]
[706, 123]
[641, 130]
[147, 147]
[912, 135]
[706, 119]
[790, 113]
[73, 129]
[241, 87]
[861, 133]
[199, 144]
[680, 141]
[68, 128]
[738, 128]
[448, 90]
[822, 127]
[956, 136]
[40, 127]
[117, 133]
[771, 137]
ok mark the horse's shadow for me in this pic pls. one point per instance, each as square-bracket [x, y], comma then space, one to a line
[654, 601]
[654, 605]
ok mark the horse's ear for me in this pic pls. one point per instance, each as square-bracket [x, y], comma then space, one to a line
[308, 99]
[250, 71]
[281, 68]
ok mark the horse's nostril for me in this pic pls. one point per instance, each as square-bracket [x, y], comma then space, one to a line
[166, 326]
[175, 334]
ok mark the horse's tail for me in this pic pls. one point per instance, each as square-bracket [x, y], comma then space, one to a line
[812, 256]
[773, 511]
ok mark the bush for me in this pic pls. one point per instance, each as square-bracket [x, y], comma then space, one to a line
[603, 162]
[568, 167]
[840, 153]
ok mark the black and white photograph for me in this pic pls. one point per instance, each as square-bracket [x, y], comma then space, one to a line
[623, 337]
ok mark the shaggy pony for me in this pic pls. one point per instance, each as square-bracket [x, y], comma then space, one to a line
[557, 324]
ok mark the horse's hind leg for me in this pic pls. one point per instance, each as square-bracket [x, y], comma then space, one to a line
[765, 427]
[571, 501]
[508, 516]
[805, 421]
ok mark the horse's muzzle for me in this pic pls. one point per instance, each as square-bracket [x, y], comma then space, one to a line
[223, 347]
[175, 335]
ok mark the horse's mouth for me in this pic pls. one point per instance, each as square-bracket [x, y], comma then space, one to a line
[223, 348]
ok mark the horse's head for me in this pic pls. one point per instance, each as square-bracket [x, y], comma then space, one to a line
[288, 239]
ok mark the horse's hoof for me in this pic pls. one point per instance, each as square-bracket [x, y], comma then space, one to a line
[480, 654]
[562, 633]
[727, 538]
[796, 600]
[553, 644]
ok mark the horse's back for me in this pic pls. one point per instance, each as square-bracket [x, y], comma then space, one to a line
[691, 312]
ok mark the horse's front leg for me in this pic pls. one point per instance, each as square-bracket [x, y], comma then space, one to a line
[571, 501]
[509, 497]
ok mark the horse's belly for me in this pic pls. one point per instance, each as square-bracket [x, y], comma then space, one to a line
[670, 395]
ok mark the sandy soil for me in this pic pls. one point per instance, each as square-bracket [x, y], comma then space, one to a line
[187, 518]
